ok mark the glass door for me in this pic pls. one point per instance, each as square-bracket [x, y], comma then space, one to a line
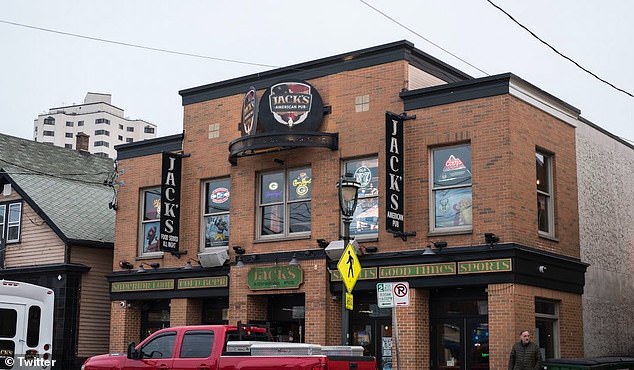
[460, 344]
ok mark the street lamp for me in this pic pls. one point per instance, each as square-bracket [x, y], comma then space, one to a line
[348, 196]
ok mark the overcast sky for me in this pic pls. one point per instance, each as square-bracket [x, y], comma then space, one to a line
[41, 70]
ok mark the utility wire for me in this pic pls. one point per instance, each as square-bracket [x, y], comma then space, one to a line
[421, 36]
[374, 77]
[135, 45]
[556, 51]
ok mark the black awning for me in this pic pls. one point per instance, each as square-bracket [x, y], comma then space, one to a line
[270, 142]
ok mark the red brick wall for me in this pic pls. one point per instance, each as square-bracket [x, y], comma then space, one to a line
[185, 311]
[413, 325]
[125, 326]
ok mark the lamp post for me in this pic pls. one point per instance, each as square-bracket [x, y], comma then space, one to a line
[348, 195]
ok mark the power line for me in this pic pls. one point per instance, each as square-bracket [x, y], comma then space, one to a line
[136, 45]
[421, 36]
[556, 51]
[120, 43]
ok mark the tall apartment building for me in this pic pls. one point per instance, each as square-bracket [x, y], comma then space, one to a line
[96, 117]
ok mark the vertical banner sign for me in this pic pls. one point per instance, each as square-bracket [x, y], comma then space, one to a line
[170, 202]
[394, 179]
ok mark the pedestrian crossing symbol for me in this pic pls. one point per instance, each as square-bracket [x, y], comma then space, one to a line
[349, 267]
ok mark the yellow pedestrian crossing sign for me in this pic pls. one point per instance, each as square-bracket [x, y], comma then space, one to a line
[349, 267]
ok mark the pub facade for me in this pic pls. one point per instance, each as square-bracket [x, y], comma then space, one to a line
[467, 193]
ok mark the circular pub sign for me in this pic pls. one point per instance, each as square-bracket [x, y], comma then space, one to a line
[291, 106]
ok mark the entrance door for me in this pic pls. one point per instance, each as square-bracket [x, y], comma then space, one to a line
[460, 344]
[375, 336]
[11, 334]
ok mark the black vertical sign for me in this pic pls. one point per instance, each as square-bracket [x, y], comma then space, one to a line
[394, 173]
[170, 202]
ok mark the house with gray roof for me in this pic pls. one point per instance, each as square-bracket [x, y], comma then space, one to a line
[57, 221]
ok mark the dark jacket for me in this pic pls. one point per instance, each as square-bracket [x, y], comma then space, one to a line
[525, 357]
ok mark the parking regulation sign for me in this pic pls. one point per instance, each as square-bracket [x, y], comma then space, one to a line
[384, 295]
[400, 293]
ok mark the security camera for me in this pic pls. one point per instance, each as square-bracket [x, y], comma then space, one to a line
[122, 304]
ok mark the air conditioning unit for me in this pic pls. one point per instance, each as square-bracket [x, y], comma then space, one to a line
[213, 257]
[334, 250]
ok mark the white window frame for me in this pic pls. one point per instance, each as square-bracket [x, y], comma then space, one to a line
[549, 194]
[143, 223]
[286, 234]
[7, 209]
[206, 214]
[434, 189]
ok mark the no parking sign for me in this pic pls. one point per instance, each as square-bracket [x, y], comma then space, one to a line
[392, 294]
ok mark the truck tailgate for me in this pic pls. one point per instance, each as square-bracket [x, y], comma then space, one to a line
[272, 362]
[351, 363]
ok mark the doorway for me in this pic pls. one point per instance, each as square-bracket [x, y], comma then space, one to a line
[286, 317]
[460, 329]
[371, 328]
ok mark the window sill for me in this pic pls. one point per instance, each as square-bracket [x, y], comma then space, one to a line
[281, 238]
[449, 232]
[150, 256]
[549, 237]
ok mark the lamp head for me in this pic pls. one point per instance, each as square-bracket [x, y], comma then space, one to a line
[491, 238]
[348, 194]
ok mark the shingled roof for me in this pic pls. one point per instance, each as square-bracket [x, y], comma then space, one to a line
[67, 188]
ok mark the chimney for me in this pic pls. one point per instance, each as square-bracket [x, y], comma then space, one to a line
[81, 144]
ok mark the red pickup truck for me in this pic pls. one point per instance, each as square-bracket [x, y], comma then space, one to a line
[225, 347]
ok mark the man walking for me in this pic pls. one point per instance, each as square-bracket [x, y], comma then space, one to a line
[525, 354]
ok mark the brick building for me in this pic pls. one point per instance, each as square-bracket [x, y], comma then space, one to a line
[448, 203]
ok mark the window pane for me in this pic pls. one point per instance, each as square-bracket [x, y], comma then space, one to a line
[452, 207]
[13, 233]
[151, 237]
[161, 347]
[542, 164]
[152, 208]
[452, 166]
[15, 211]
[33, 326]
[218, 196]
[2, 209]
[366, 173]
[272, 220]
[366, 217]
[545, 307]
[8, 322]
[197, 344]
[272, 190]
[542, 213]
[217, 230]
[299, 217]
[299, 184]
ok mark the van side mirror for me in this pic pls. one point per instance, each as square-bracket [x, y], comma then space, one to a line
[133, 354]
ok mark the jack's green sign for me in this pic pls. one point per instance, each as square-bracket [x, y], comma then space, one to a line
[276, 277]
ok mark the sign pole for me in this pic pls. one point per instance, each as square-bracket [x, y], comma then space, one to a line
[395, 328]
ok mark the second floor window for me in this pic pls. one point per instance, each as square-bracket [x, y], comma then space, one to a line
[148, 130]
[10, 221]
[545, 214]
[69, 134]
[284, 203]
[102, 132]
[69, 124]
[48, 133]
[150, 219]
[99, 121]
[451, 189]
[102, 143]
[130, 129]
[49, 121]
[366, 216]
[216, 212]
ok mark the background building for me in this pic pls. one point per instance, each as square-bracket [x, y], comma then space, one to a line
[57, 226]
[605, 166]
[98, 118]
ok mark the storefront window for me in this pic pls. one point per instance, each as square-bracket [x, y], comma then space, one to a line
[216, 212]
[365, 221]
[284, 203]
[150, 220]
[451, 189]
[547, 327]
